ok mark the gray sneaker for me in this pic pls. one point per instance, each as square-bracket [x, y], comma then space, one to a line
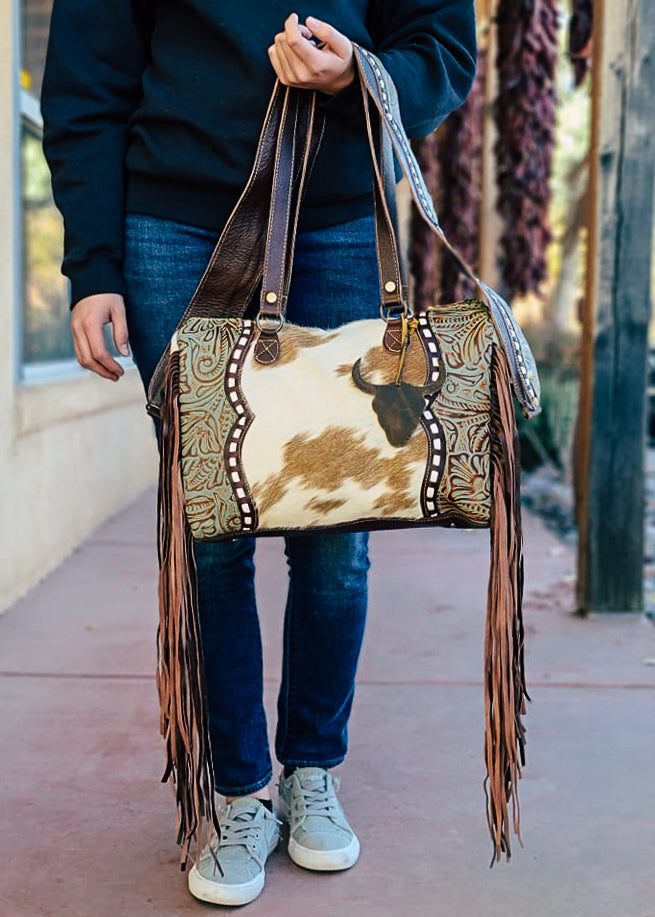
[232, 872]
[319, 834]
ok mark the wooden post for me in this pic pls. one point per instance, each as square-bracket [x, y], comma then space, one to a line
[611, 421]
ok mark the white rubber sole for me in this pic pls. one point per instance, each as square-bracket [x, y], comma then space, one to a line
[229, 895]
[324, 860]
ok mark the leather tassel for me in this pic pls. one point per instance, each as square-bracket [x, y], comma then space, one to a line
[505, 690]
[180, 673]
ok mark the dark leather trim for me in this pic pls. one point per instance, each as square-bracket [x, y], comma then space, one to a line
[276, 252]
[436, 463]
[234, 442]
[452, 520]
[267, 348]
[393, 335]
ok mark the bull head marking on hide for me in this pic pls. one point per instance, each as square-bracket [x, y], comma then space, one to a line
[398, 405]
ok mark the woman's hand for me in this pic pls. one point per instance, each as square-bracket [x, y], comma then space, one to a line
[299, 62]
[88, 319]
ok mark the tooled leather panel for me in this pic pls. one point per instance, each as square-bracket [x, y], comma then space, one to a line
[465, 336]
[209, 416]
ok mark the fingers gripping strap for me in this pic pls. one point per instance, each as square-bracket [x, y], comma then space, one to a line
[377, 84]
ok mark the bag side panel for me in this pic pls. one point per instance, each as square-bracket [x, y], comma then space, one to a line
[207, 418]
[462, 406]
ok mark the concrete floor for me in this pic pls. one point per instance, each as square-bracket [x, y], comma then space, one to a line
[87, 829]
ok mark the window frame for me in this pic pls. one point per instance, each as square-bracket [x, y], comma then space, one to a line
[27, 112]
[15, 242]
[29, 115]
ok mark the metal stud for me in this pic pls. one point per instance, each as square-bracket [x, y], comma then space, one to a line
[390, 286]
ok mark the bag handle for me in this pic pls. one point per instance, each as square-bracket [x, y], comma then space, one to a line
[290, 172]
[278, 259]
[235, 267]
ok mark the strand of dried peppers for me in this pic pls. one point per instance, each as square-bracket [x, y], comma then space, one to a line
[460, 162]
[525, 117]
[451, 162]
[580, 35]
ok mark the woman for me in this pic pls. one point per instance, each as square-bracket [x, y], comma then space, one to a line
[152, 112]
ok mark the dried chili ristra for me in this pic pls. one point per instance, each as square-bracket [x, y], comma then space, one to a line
[524, 112]
[580, 35]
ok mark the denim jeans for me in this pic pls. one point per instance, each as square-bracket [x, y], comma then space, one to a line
[334, 281]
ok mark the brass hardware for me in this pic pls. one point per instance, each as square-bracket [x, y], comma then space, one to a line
[390, 286]
[269, 324]
[390, 312]
[271, 297]
[409, 326]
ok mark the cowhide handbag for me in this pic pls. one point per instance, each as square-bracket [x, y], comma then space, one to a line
[269, 428]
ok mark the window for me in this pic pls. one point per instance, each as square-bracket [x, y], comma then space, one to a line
[45, 326]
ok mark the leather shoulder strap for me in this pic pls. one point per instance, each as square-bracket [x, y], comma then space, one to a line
[290, 172]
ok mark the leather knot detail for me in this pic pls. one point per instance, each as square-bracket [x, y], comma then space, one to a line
[393, 336]
[267, 348]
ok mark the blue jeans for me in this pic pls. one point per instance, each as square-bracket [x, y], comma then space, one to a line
[335, 281]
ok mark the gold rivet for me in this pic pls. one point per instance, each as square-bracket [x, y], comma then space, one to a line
[271, 297]
[390, 286]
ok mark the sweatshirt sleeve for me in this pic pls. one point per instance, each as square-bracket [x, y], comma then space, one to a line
[92, 84]
[429, 49]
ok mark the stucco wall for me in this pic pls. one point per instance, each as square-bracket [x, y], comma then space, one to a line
[72, 452]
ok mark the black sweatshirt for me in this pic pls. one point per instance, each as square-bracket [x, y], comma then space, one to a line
[155, 107]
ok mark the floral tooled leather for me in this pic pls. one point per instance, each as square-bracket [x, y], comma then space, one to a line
[465, 336]
[207, 417]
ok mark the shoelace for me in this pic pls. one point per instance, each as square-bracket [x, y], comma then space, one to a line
[240, 830]
[319, 799]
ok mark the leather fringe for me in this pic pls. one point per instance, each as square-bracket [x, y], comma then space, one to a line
[505, 690]
[180, 674]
